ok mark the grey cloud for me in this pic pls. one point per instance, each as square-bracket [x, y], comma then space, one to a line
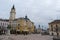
[39, 11]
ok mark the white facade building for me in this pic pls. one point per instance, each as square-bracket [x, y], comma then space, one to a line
[4, 24]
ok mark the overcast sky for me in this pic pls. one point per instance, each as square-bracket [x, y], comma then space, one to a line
[39, 11]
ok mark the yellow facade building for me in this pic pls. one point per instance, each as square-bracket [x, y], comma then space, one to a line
[25, 25]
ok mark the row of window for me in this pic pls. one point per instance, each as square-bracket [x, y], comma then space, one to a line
[3, 24]
[55, 28]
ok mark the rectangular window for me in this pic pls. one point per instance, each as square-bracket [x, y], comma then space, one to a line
[1, 23]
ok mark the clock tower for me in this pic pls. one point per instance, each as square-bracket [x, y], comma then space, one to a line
[12, 15]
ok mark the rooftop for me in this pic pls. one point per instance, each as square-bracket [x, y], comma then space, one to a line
[55, 21]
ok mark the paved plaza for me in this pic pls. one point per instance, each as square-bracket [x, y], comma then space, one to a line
[26, 37]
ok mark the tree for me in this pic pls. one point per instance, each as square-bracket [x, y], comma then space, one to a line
[9, 27]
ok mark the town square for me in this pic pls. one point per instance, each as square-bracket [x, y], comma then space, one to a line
[29, 19]
[26, 37]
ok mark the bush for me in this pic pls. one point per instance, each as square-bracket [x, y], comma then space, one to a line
[13, 31]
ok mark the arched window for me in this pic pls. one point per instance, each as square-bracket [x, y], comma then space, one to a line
[18, 24]
[56, 28]
[51, 27]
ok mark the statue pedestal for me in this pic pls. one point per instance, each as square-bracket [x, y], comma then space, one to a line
[8, 33]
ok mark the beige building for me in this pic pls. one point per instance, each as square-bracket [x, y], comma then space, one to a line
[54, 27]
[24, 24]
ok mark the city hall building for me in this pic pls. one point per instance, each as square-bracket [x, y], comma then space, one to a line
[18, 25]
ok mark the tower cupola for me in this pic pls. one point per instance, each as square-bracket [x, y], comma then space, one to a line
[13, 7]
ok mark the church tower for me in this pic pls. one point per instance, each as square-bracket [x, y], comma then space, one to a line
[12, 16]
[12, 13]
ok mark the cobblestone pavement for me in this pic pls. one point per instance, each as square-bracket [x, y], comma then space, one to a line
[26, 37]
